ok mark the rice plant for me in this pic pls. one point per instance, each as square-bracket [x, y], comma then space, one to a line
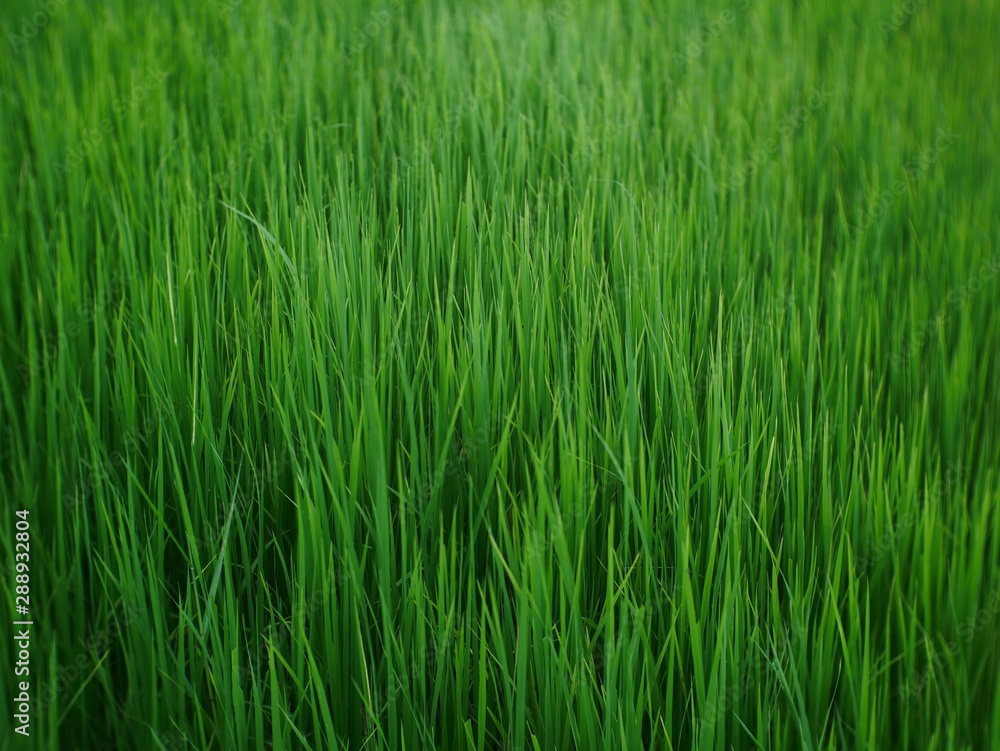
[587, 374]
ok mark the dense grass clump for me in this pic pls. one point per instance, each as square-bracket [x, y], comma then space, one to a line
[604, 374]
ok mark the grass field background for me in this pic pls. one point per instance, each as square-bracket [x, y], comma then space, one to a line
[466, 375]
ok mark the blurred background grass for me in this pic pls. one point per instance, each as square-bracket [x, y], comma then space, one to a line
[510, 375]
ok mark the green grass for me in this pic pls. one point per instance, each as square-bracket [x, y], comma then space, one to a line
[466, 375]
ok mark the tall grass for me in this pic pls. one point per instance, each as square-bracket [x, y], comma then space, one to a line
[473, 375]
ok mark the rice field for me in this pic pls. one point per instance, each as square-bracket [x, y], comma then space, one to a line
[592, 374]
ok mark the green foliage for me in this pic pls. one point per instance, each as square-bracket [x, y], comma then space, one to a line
[585, 375]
